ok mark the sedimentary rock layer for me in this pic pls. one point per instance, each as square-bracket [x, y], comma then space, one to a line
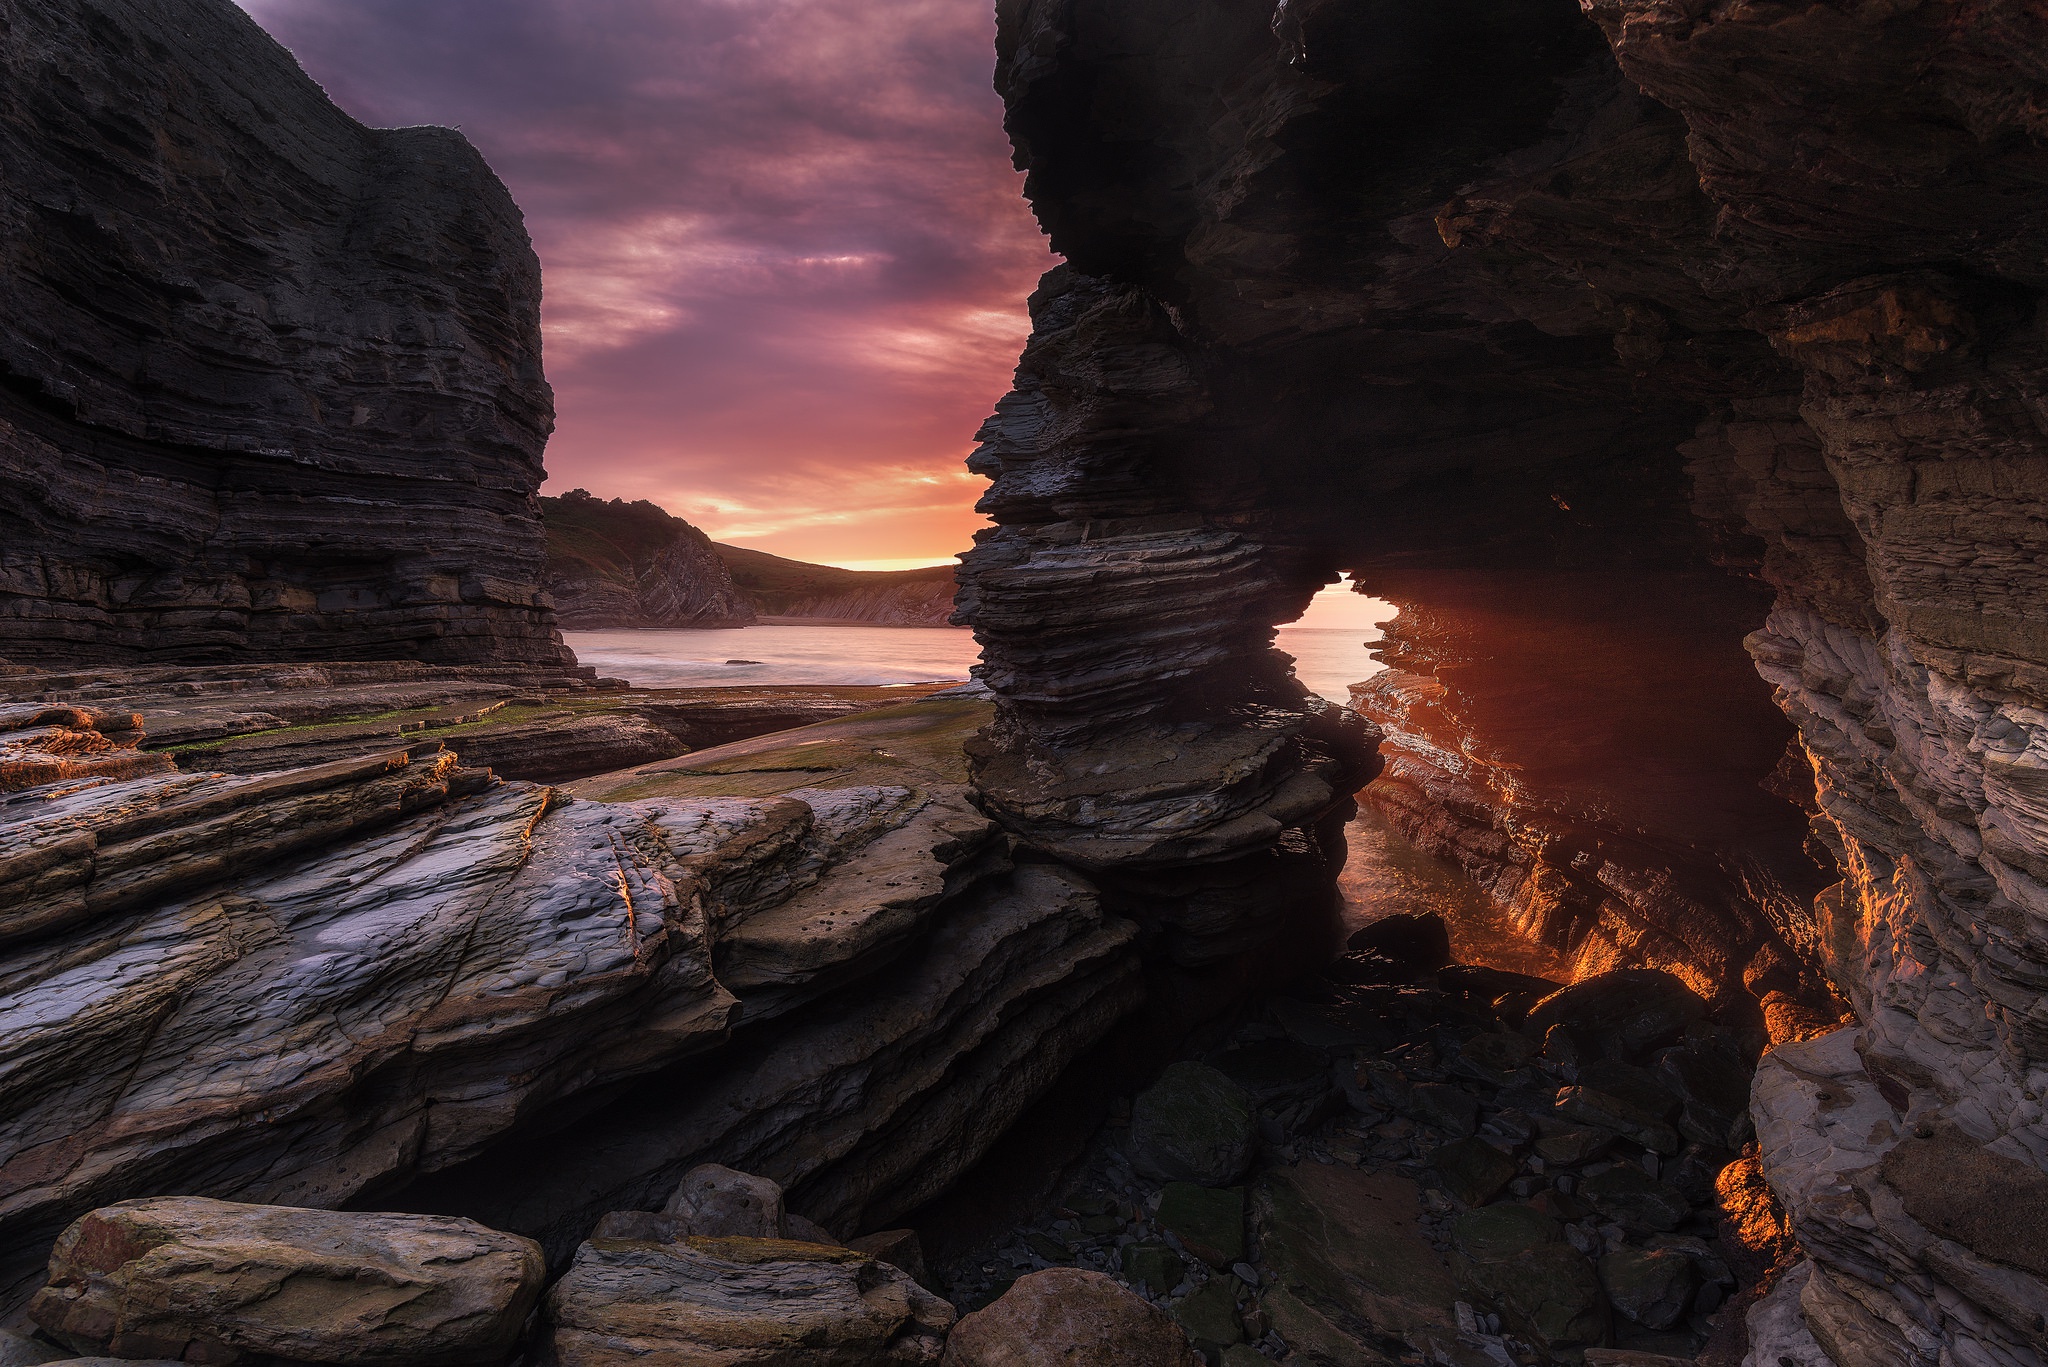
[620, 564]
[270, 381]
[1597, 341]
[323, 985]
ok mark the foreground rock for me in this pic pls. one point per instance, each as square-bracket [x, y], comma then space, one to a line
[187, 1277]
[739, 1302]
[717, 1202]
[545, 725]
[296, 985]
[1193, 1125]
[1066, 1318]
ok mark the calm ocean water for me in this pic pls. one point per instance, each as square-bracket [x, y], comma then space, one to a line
[1328, 659]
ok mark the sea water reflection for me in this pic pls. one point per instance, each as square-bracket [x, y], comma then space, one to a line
[1329, 646]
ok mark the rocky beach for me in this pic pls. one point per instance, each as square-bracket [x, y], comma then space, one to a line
[382, 987]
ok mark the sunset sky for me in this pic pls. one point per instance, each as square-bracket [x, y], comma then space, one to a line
[785, 256]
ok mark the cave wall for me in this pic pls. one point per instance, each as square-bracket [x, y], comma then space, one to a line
[1609, 345]
[270, 381]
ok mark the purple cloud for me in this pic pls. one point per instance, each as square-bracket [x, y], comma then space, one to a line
[785, 254]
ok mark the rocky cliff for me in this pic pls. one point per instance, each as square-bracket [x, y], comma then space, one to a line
[634, 565]
[618, 564]
[272, 379]
[781, 588]
[1608, 344]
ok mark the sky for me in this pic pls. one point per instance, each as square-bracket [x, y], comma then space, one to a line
[784, 254]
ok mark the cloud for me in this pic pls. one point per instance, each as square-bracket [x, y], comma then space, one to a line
[785, 254]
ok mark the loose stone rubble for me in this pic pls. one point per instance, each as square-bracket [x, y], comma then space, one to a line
[1363, 1233]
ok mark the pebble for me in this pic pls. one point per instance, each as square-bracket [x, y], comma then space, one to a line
[1246, 1273]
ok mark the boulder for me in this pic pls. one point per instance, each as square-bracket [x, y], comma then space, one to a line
[723, 1302]
[1209, 1221]
[1193, 1125]
[1587, 1106]
[1651, 1286]
[1626, 1013]
[1473, 1170]
[1450, 1109]
[1638, 1201]
[1208, 1315]
[805, 1231]
[1350, 1263]
[1152, 1265]
[1418, 940]
[1549, 1293]
[900, 1248]
[1493, 1054]
[1639, 1087]
[1713, 1077]
[1275, 1071]
[718, 1202]
[219, 1281]
[1566, 1145]
[1503, 1231]
[1063, 1317]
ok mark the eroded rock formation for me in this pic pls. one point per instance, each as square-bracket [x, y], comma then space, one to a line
[1598, 342]
[618, 564]
[622, 564]
[270, 381]
[357, 980]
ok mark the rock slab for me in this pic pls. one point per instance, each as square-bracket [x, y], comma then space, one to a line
[218, 1281]
[739, 1302]
[1065, 1317]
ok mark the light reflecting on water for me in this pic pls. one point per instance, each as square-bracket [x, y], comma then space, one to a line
[778, 655]
[1328, 659]
[1386, 874]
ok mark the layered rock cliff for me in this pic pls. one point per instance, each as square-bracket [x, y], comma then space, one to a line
[617, 564]
[272, 379]
[1602, 343]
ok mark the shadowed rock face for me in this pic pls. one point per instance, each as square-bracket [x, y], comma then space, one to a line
[270, 381]
[1605, 344]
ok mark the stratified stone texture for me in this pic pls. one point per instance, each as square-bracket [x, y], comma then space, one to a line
[218, 1282]
[375, 980]
[740, 1302]
[1065, 1316]
[272, 380]
[1598, 338]
[620, 564]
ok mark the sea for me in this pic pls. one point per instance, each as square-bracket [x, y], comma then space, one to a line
[1330, 646]
[1328, 659]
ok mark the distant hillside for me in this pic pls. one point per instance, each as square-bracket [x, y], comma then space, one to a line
[618, 564]
[793, 588]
